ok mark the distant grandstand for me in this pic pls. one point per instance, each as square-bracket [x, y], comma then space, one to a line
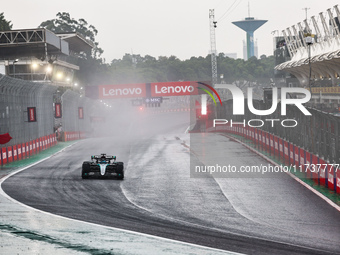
[40, 55]
[310, 52]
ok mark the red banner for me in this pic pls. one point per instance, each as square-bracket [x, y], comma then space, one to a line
[4, 155]
[302, 161]
[30, 148]
[33, 146]
[122, 91]
[291, 154]
[32, 116]
[9, 154]
[27, 149]
[37, 145]
[286, 152]
[331, 183]
[271, 144]
[163, 89]
[276, 146]
[19, 152]
[281, 152]
[314, 168]
[81, 112]
[337, 178]
[322, 172]
[297, 156]
[264, 146]
[15, 153]
[267, 141]
[58, 113]
[23, 148]
[307, 168]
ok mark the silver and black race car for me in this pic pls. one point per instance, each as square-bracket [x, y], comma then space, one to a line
[103, 166]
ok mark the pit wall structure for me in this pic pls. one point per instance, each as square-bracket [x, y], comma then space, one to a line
[38, 115]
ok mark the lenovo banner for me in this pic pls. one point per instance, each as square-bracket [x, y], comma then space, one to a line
[31, 112]
[58, 110]
[184, 88]
[122, 91]
[81, 112]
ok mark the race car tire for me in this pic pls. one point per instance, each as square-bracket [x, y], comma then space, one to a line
[120, 169]
[85, 170]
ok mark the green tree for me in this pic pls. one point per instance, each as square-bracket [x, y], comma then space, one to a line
[5, 25]
[65, 24]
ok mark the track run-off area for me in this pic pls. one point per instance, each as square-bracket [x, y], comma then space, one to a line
[160, 208]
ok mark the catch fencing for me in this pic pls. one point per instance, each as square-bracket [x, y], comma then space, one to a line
[76, 118]
[17, 99]
[311, 147]
[319, 133]
[28, 112]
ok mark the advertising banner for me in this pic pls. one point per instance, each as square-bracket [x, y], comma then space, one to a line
[323, 172]
[37, 146]
[19, 151]
[256, 136]
[33, 146]
[15, 153]
[44, 142]
[286, 152]
[331, 182]
[9, 154]
[314, 168]
[57, 110]
[80, 112]
[271, 144]
[337, 178]
[164, 89]
[297, 156]
[276, 146]
[23, 150]
[307, 167]
[4, 156]
[122, 91]
[302, 161]
[281, 152]
[31, 113]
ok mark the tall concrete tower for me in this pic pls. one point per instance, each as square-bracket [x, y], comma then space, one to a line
[249, 25]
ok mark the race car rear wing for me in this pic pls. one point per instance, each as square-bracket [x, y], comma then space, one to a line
[107, 157]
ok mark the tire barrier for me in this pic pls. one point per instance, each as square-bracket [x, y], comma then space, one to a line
[311, 166]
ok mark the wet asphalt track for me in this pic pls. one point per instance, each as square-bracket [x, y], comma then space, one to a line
[158, 197]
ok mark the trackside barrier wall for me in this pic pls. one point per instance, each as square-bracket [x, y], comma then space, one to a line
[76, 119]
[28, 137]
[293, 155]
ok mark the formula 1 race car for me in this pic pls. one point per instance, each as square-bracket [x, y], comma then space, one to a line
[103, 166]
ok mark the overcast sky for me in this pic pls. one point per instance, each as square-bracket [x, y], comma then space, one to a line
[168, 27]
